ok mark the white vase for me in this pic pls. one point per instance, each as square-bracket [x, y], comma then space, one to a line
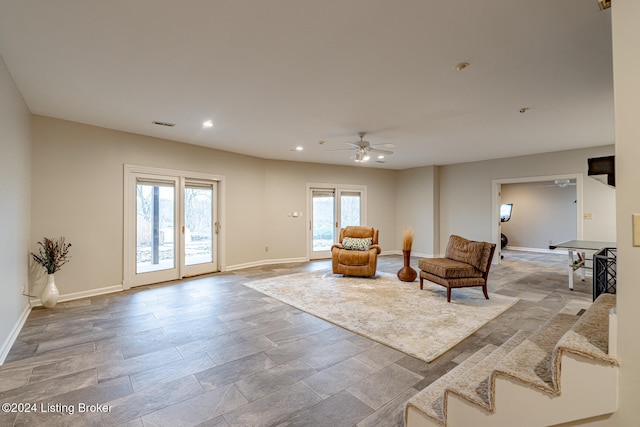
[50, 294]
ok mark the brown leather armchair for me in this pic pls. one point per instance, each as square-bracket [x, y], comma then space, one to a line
[354, 256]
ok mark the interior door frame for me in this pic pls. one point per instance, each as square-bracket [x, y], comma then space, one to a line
[337, 189]
[496, 200]
[131, 172]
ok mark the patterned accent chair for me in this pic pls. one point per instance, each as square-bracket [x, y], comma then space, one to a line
[357, 252]
[465, 263]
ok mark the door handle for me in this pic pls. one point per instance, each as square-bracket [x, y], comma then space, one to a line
[217, 227]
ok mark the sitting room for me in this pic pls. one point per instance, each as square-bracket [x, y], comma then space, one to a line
[203, 161]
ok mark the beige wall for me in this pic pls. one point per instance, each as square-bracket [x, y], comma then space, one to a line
[466, 189]
[417, 208]
[15, 218]
[86, 204]
[286, 192]
[542, 214]
[626, 62]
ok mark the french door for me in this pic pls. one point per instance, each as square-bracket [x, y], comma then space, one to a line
[332, 208]
[171, 226]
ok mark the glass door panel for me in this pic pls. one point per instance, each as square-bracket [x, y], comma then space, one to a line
[170, 225]
[332, 208]
[155, 226]
[350, 208]
[323, 225]
[199, 230]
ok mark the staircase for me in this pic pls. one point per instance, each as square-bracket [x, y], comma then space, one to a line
[564, 371]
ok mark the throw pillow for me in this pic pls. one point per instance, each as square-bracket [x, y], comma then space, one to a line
[356, 244]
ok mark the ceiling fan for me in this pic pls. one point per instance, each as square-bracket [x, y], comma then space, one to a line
[362, 149]
[562, 183]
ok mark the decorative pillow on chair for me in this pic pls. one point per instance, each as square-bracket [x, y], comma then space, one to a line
[356, 244]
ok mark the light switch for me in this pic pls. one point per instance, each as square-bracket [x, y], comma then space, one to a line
[636, 229]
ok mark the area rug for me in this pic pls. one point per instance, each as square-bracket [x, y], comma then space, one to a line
[384, 309]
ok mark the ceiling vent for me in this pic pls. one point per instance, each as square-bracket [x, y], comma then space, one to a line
[603, 169]
[166, 124]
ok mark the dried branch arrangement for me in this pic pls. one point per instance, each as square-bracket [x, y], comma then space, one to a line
[53, 254]
[407, 239]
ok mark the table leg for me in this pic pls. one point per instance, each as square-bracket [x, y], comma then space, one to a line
[584, 265]
[570, 252]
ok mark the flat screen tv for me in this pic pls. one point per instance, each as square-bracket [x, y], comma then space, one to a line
[505, 212]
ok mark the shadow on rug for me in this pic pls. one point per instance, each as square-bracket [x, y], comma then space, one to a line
[397, 314]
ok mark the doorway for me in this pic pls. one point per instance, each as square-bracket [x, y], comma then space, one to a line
[331, 208]
[171, 225]
[497, 201]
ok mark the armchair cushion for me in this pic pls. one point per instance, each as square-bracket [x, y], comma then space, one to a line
[448, 268]
[469, 252]
[356, 243]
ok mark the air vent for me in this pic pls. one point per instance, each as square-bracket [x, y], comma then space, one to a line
[167, 124]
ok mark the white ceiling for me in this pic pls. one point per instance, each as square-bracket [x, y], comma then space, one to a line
[275, 74]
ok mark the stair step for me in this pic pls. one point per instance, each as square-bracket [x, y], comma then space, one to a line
[474, 385]
[530, 362]
[430, 400]
[589, 336]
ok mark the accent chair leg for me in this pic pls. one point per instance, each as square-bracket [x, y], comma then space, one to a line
[448, 294]
[484, 289]
[421, 281]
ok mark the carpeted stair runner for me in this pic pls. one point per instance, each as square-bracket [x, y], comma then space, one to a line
[430, 400]
[475, 385]
[589, 337]
[531, 362]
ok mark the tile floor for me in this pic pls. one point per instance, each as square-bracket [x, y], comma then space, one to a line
[209, 351]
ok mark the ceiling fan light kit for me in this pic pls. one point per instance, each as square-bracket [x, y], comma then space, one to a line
[362, 149]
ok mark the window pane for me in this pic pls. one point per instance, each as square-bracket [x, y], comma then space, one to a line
[349, 209]
[155, 246]
[198, 233]
[323, 228]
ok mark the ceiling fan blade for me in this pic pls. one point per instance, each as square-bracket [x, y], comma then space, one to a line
[376, 150]
[356, 145]
[384, 145]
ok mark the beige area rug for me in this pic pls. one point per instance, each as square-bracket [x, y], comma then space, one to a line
[398, 314]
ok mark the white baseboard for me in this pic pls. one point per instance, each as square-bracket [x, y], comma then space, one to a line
[413, 254]
[263, 262]
[84, 294]
[8, 343]
[544, 251]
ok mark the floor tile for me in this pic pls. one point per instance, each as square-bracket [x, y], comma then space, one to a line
[383, 386]
[151, 352]
[338, 377]
[273, 408]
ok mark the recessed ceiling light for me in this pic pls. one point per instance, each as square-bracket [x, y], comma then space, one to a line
[299, 148]
[207, 124]
[380, 156]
